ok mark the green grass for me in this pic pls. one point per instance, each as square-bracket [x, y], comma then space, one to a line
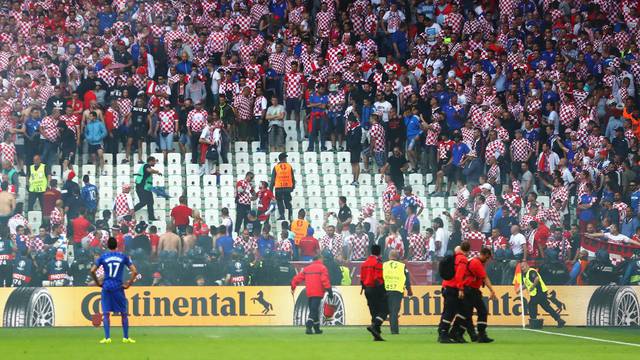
[291, 343]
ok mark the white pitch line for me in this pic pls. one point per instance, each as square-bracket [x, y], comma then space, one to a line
[584, 338]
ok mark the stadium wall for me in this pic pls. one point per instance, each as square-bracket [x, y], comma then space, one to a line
[275, 306]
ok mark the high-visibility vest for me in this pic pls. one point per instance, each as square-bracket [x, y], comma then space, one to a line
[393, 275]
[38, 179]
[533, 290]
[148, 183]
[299, 228]
[346, 276]
[284, 176]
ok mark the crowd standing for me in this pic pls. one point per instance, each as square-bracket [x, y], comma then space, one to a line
[498, 103]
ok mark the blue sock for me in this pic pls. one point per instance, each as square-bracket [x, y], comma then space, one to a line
[107, 329]
[125, 326]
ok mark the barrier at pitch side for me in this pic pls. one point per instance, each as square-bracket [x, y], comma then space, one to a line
[274, 305]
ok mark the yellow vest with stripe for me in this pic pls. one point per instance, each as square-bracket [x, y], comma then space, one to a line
[393, 274]
[346, 276]
[37, 179]
[533, 290]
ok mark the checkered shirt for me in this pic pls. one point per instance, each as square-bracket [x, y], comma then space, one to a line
[333, 244]
[503, 134]
[444, 149]
[197, 120]
[433, 132]
[553, 217]
[491, 202]
[520, 149]
[244, 107]
[245, 51]
[277, 61]
[249, 245]
[284, 245]
[257, 11]
[476, 239]
[622, 208]
[107, 76]
[49, 128]
[495, 149]
[513, 202]
[559, 193]
[377, 137]
[216, 42]
[257, 106]
[366, 47]
[394, 242]
[167, 119]
[293, 84]
[115, 117]
[244, 22]
[295, 15]
[499, 242]
[475, 114]
[336, 102]
[563, 245]
[359, 245]
[332, 53]
[323, 22]
[418, 247]
[244, 192]
[455, 21]
[57, 218]
[493, 174]
[8, 152]
[35, 244]
[389, 193]
[568, 114]
[122, 204]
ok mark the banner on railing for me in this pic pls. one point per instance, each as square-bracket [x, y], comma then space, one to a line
[266, 306]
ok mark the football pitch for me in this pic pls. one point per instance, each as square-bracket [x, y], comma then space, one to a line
[261, 343]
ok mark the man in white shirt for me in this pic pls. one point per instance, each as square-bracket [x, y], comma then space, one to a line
[613, 237]
[382, 107]
[484, 215]
[440, 240]
[393, 18]
[517, 243]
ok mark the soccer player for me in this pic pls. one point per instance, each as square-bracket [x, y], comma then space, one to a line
[113, 299]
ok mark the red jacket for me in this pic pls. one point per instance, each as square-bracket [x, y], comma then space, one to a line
[315, 277]
[371, 272]
[475, 274]
[461, 269]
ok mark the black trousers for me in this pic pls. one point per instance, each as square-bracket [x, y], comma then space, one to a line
[242, 211]
[283, 199]
[473, 300]
[146, 199]
[377, 303]
[542, 300]
[195, 147]
[394, 299]
[314, 312]
[33, 196]
[452, 306]
[6, 274]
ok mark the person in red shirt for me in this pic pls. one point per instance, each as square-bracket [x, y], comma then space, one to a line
[80, 227]
[316, 280]
[474, 278]
[49, 198]
[266, 202]
[373, 286]
[452, 294]
[180, 215]
[309, 246]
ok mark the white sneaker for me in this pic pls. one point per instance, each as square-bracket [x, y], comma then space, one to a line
[355, 183]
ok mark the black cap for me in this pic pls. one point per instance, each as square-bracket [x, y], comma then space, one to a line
[282, 156]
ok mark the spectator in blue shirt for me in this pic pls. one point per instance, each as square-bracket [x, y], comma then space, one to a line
[454, 117]
[89, 195]
[453, 168]
[412, 124]
[106, 19]
[224, 243]
[634, 197]
[318, 102]
[266, 242]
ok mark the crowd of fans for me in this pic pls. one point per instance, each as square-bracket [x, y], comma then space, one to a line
[498, 103]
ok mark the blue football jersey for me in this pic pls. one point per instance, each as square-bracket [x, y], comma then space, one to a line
[113, 264]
